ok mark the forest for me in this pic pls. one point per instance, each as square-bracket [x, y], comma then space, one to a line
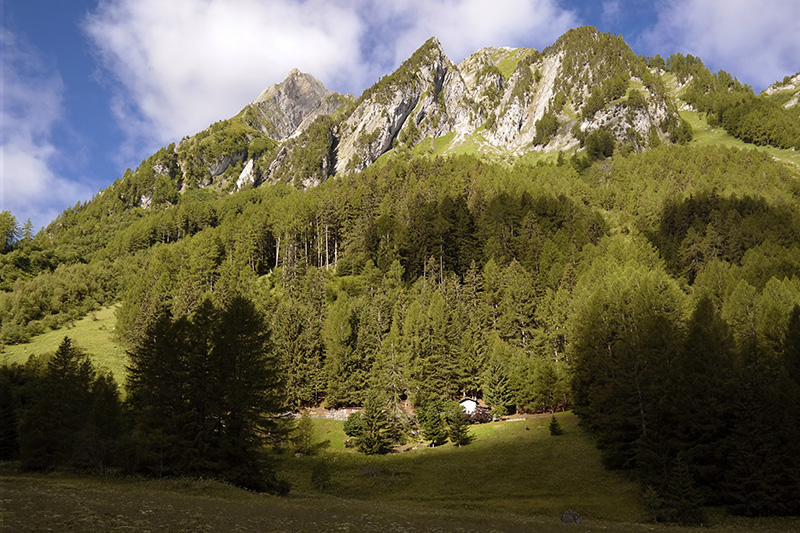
[656, 294]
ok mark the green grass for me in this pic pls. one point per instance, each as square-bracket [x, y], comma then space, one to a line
[507, 61]
[508, 479]
[434, 146]
[534, 156]
[93, 333]
[506, 470]
[704, 135]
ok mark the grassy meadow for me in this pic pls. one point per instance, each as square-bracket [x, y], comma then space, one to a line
[508, 479]
[94, 333]
[705, 135]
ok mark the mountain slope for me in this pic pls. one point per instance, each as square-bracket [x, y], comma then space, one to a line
[497, 101]
[786, 93]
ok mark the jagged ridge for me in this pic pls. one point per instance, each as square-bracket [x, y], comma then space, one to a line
[496, 101]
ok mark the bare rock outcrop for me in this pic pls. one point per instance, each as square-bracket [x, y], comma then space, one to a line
[287, 108]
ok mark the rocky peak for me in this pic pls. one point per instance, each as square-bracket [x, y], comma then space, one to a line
[296, 85]
[282, 110]
[402, 108]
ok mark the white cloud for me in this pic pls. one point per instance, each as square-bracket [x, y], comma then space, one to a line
[32, 103]
[464, 26]
[182, 64]
[757, 41]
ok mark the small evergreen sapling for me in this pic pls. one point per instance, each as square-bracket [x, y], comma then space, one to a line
[555, 427]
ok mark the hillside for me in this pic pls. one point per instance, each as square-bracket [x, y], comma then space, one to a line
[574, 228]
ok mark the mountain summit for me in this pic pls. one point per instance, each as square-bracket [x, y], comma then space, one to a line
[497, 100]
[586, 95]
[287, 108]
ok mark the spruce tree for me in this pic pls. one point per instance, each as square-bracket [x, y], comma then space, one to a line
[457, 427]
[433, 422]
[376, 437]
[59, 410]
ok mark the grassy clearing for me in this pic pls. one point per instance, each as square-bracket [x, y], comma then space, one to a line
[535, 156]
[434, 146]
[508, 469]
[705, 135]
[94, 333]
[508, 479]
[507, 61]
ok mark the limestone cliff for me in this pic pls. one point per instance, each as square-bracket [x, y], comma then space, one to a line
[287, 108]
[496, 102]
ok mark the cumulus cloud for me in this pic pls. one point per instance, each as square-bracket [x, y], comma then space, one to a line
[756, 41]
[177, 66]
[182, 64]
[463, 26]
[32, 95]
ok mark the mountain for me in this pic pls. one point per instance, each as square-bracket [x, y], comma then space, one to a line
[573, 228]
[540, 102]
[498, 103]
[786, 93]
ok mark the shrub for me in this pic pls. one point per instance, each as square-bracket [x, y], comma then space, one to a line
[354, 425]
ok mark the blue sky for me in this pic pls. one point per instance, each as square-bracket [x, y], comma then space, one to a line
[92, 87]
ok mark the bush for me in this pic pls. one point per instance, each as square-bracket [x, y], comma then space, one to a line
[354, 425]
[481, 415]
[321, 475]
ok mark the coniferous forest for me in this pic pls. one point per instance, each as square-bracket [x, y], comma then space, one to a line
[655, 293]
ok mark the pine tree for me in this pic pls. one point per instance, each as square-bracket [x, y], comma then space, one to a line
[433, 423]
[157, 395]
[755, 481]
[101, 438]
[9, 410]
[59, 409]
[457, 428]
[252, 393]
[699, 396]
[791, 400]
[376, 436]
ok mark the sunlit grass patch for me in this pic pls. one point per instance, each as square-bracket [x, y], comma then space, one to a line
[507, 468]
[705, 135]
[94, 333]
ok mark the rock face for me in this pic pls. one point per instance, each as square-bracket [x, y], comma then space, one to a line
[522, 105]
[247, 177]
[497, 101]
[429, 97]
[788, 89]
[415, 99]
[287, 108]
